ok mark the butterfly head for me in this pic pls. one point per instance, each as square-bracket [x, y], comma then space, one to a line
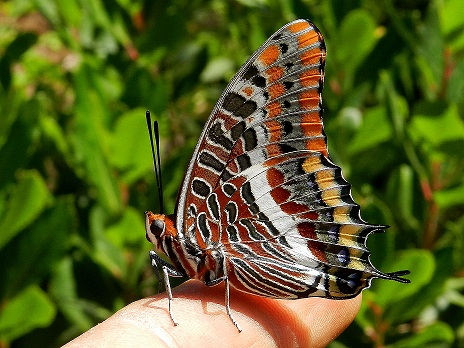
[158, 227]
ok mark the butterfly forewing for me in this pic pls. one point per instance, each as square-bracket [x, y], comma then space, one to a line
[262, 206]
[272, 104]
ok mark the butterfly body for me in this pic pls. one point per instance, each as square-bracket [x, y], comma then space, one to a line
[262, 207]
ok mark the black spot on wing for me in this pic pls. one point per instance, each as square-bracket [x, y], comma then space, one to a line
[233, 101]
[251, 141]
[208, 160]
[226, 175]
[285, 148]
[200, 187]
[244, 162]
[288, 127]
[348, 280]
[246, 193]
[288, 85]
[259, 81]
[246, 109]
[228, 189]
[203, 226]
[283, 47]
[252, 231]
[216, 135]
[232, 233]
[251, 72]
[231, 212]
[289, 65]
[213, 206]
[238, 105]
[237, 130]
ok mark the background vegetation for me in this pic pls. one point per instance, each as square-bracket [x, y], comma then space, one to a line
[76, 77]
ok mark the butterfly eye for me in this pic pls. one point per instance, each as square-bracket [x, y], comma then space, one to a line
[157, 227]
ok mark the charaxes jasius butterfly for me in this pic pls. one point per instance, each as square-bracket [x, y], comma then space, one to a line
[262, 207]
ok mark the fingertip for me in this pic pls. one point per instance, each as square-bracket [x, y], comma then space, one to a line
[329, 318]
[202, 320]
[308, 322]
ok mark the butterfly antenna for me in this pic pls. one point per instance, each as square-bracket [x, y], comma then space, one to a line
[155, 152]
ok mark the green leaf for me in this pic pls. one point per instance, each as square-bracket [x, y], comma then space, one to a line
[129, 229]
[420, 263]
[71, 12]
[357, 29]
[431, 64]
[49, 10]
[143, 89]
[31, 256]
[429, 336]
[356, 40]
[450, 16]
[401, 193]
[21, 139]
[405, 192]
[426, 297]
[253, 3]
[375, 129]
[452, 22]
[450, 197]
[105, 253]
[131, 145]
[455, 88]
[12, 53]
[27, 311]
[54, 132]
[9, 104]
[434, 128]
[91, 140]
[335, 344]
[63, 289]
[217, 69]
[28, 199]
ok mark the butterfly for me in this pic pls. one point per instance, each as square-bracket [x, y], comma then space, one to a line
[262, 207]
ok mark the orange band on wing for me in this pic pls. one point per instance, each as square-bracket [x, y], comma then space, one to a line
[269, 55]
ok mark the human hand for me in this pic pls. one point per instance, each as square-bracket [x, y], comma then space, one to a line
[203, 322]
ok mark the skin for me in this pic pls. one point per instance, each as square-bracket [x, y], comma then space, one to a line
[202, 321]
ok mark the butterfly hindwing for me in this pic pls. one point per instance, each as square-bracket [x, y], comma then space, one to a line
[295, 212]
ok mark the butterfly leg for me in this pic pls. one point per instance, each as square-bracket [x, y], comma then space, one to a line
[227, 299]
[168, 271]
[229, 313]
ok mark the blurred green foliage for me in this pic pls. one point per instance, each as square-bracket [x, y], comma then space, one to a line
[76, 77]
